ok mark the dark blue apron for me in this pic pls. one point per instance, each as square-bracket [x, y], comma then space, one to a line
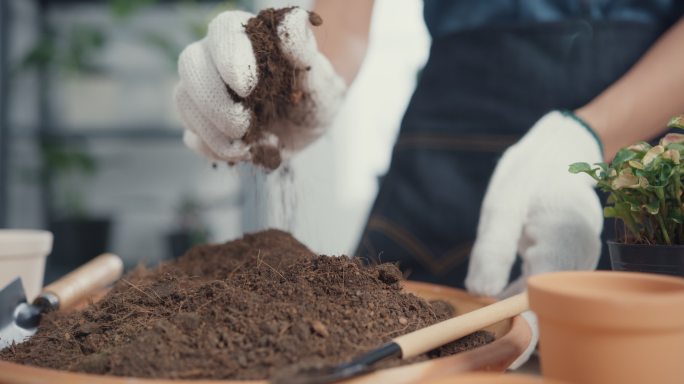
[479, 92]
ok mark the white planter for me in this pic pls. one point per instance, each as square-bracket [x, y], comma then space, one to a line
[23, 254]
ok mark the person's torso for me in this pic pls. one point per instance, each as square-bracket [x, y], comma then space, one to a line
[511, 61]
[443, 17]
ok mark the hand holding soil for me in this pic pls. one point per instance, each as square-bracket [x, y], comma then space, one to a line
[256, 88]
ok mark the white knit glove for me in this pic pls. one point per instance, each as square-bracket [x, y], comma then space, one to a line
[536, 208]
[531, 320]
[215, 124]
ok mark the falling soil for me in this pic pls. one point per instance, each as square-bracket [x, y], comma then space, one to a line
[279, 95]
[248, 309]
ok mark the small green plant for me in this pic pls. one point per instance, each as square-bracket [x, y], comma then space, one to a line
[70, 166]
[645, 186]
[190, 222]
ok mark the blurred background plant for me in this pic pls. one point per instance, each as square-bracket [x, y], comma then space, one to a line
[71, 167]
[75, 52]
[191, 229]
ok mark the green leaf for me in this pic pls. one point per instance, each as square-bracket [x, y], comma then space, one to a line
[653, 154]
[653, 207]
[83, 45]
[604, 173]
[609, 212]
[672, 155]
[665, 173]
[676, 146]
[676, 122]
[41, 55]
[676, 216]
[62, 160]
[655, 165]
[580, 167]
[622, 156]
[625, 180]
[125, 8]
[635, 164]
[641, 146]
[672, 138]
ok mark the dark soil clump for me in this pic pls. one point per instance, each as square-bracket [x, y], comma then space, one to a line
[279, 95]
[246, 309]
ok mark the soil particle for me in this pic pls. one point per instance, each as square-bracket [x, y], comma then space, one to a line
[279, 97]
[246, 309]
[442, 308]
[315, 19]
[319, 328]
[266, 156]
[388, 273]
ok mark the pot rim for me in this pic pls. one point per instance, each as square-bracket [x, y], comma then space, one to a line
[100, 219]
[24, 243]
[609, 299]
[662, 246]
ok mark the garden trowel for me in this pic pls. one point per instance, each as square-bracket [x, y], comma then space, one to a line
[19, 319]
[414, 343]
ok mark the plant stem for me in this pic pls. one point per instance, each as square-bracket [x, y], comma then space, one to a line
[664, 230]
[678, 191]
[631, 224]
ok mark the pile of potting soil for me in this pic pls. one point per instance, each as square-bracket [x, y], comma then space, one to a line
[242, 310]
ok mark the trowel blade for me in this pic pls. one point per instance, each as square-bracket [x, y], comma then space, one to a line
[13, 306]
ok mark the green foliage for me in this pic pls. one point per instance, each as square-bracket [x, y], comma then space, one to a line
[122, 9]
[644, 183]
[76, 48]
[69, 166]
[42, 54]
[77, 54]
[61, 160]
[166, 47]
[677, 122]
[190, 220]
[85, 42]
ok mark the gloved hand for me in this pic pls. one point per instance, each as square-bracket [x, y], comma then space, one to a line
[215, 123]
[531, 319]
[536, 208]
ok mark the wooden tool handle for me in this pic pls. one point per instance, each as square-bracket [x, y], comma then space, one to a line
[96, 274]
[436, 335]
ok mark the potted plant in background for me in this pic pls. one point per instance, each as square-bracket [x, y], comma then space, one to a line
[190, 228]
[645, 185]
[79, 235]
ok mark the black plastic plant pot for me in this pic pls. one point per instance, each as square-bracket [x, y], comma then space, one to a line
[661, 259]
[76, 241]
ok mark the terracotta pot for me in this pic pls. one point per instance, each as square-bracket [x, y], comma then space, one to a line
[660, 259]
[512, 337]
[610, 327]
